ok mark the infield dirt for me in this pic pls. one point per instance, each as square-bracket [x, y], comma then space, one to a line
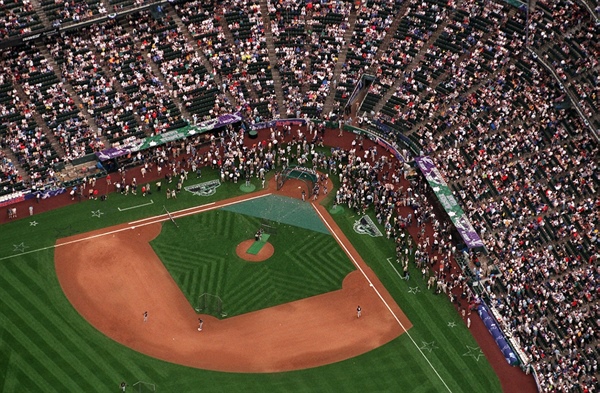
[113, 279]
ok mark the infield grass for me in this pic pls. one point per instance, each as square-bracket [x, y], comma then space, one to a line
[200, 256]
[46, 346]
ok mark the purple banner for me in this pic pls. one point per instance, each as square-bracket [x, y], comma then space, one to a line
[169, 136]
[45, 194]
[113, 152]
[450, 204]
[492, 327]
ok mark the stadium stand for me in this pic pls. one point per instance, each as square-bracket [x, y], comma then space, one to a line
[462, 82]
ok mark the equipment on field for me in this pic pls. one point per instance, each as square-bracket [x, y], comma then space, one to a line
[170, 216]
[210, 304]
[143, 387]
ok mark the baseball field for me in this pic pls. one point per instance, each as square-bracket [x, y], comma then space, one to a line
[75, 282]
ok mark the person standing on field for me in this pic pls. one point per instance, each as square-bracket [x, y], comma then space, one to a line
[358, 312]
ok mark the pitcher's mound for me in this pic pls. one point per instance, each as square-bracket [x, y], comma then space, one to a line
[265, 252]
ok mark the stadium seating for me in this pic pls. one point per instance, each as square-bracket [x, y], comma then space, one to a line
[457, 80]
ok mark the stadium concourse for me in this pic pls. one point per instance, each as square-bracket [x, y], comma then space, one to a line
[503, 99]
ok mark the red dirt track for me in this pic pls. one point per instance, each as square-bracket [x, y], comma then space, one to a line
[112, 279]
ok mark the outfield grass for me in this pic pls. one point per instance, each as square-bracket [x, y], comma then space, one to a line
[45, 345]
[431, 315]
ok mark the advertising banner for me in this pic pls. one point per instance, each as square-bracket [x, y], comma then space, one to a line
[492, 327]
[173, 135]
[450, 204]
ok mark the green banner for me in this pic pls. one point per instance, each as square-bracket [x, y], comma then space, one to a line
[450, 204]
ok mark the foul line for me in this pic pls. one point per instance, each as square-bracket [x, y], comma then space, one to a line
[136, 206]
[155, 219]
[394, 267]
[178, 211]
[337, 238]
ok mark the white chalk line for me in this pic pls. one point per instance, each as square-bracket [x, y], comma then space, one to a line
[136, 206]
[155, 219]
[379, 294]
[393, 267]
[165, 214]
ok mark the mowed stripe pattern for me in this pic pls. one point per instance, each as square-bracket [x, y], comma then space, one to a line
[200, 255]
[45, 348]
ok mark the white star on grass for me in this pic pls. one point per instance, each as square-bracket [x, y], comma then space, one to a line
[414, 290]
[475, 352]
[33, 223]
[428, 346]
[20, 247]
[451, 324]
[96, 213]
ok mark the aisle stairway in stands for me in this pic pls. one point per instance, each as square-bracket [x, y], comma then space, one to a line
[473, 118]
[385, 43]
[40, 13]
[307, 60]
[41, 123]
[8, 153]
[329, 101]
[410, 67]
[156, 72]
[217, 77]
[73, 95]
[248, 89]
[264, 10]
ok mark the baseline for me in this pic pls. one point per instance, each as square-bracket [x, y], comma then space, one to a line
[360, 268]
[129, 226]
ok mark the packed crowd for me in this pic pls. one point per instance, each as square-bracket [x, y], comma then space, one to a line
[327, 27]
[60, 11]
[308, 40]
[9, 174]
[20, 132]
[81, 66]
[567, 36]
[243, 62]
[17, 18]
[290, 37]
[463, 90]
[49, 97]
[250, 57]
[373, 20]
[180, 66]
[526, 172]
